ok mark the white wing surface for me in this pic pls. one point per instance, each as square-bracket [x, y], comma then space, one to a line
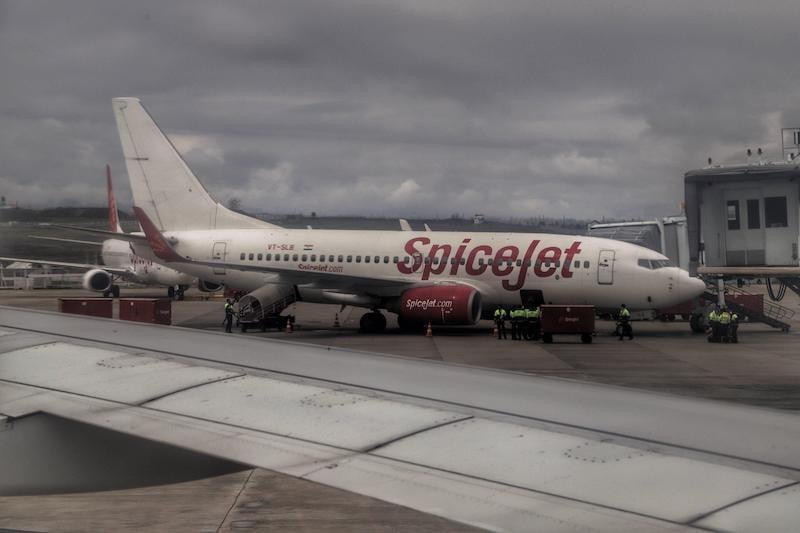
[498, 450]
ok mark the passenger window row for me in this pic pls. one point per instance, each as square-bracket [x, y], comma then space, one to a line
[322, 258]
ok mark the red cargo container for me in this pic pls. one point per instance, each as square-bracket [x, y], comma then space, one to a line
[570, 319]
[151, 310]
[102, 307]
[753, 302]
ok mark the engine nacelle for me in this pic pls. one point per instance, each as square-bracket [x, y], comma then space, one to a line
[439, 304]
[97, 280]
[264, 301]
[208, 286]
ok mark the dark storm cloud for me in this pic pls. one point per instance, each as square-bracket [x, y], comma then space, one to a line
[512, 108]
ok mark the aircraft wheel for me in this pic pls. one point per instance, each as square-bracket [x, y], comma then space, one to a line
[586, 338]
[107, 293]
[696, 323]
[115, 291]
[372, 322]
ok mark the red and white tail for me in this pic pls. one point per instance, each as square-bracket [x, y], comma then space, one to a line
[113, 214]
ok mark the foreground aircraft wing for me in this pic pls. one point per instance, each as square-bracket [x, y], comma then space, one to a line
[83, 266]
[493, 449]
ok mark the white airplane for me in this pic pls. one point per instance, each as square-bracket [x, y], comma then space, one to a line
[438, 277]
[120, 261]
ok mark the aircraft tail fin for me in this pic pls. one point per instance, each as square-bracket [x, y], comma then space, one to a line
[163, 186]
[113, 214]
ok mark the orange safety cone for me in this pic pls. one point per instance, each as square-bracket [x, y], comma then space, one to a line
[336, 321]
[496, 332]
[289, 327]
[429, 331]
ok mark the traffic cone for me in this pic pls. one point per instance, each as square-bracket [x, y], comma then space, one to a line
[429, 331]
[336, 321]
[496, 332]
[289, 327]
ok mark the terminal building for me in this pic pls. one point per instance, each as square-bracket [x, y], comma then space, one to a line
[743, 220]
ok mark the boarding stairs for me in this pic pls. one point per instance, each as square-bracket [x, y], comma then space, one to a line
[774, 315]
[265, 302]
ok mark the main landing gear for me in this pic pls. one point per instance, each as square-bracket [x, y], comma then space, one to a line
[372, 322]
[112, 291]
[176, 292]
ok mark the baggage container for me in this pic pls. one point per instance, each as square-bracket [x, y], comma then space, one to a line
[567, 319]
[102, 307]
[150, 310]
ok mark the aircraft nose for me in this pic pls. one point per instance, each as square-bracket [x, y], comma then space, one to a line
[691, 287]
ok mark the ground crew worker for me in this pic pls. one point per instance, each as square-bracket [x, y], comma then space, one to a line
[625, 327]
[734, 327]
[229, 312]
[516, 323]
[724, 324]
[527, 313]
[536, 318]
[500, 321]
[713, 323]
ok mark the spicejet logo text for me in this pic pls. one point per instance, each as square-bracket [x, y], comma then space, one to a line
[428, 303]
[476, 260]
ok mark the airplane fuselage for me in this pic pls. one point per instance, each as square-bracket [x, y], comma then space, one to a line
[567, 269]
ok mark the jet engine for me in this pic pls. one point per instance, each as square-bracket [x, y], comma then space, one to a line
[438, 304]
[97, 280]
[208, 286]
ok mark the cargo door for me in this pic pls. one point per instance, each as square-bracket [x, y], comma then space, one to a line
[605, 267]
[218, 253]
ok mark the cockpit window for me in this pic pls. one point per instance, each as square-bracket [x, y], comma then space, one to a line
[654, 264]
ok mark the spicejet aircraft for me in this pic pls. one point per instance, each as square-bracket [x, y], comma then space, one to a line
[120, 261]
[438, 277]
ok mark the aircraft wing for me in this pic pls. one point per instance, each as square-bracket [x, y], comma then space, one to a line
[130, 237]
[83, 266]
[493, 449]
[59, 239]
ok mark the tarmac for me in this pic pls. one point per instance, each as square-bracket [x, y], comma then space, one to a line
[762, 369]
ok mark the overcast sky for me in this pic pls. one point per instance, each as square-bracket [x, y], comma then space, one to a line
[404, 108]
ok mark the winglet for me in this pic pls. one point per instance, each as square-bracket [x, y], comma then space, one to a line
[113, 214]
[157, 243]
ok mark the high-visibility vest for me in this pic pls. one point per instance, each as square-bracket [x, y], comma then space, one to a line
[530, 313]
[624, 313]
[724, 317]
[537, 313]
[500, 313]
[713, 316]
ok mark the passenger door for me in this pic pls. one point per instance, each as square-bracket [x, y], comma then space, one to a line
[218, 253]
[605, 267]
[744, 228]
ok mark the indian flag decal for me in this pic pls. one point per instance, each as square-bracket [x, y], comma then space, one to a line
[308, 247]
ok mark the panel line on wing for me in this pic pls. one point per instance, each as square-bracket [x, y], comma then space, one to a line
[707, 514]
[186, 388]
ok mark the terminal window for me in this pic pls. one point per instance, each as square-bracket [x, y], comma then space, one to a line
[775, 213]
[733, 215]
